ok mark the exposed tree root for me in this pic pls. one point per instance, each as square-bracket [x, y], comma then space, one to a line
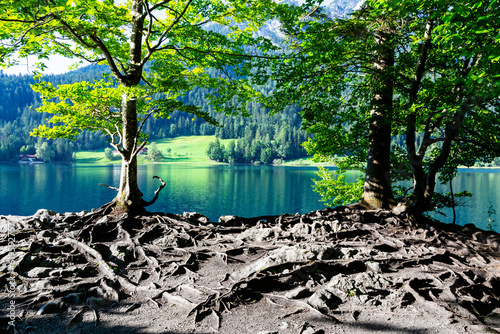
[327, 262]
[115, 208]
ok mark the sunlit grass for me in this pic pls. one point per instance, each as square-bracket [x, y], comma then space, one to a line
[92, 157]
[186, 149]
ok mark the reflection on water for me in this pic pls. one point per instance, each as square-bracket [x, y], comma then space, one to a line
[484, 186]
[213, 190]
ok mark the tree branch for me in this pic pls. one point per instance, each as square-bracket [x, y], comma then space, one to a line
[118, 132]
[452, 129]
[21, 21]
[136, 149]
[146, 81]
[177, 19]
[73, 33]
[159, 4]
[78, 55]
[429, 129]
[109, 58]
[36, 25]
[483, 143]
[150, 27]
[115, 146]
[211, 52]
[110, 187]
[414, 158]
[157, 192]
[97, 44]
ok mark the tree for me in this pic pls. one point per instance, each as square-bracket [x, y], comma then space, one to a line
[342, 78]
[44, 151]
[215, 151]
[452, 96]
[266, 155]
[177, 39]
[108, 153]
[229, 152]
[154, 153]
[426, 70]
[63, 150]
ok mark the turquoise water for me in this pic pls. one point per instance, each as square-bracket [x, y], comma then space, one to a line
[245, 191]
[212, 190]
[484, 184]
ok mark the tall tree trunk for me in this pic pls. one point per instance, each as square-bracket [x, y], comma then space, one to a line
[377, 188]
[129, 196]
[422, 189]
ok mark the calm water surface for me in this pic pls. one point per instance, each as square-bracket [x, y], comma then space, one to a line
[212, 190]
[484, 184]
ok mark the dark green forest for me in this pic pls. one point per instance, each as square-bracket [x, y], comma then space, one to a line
[259, 138]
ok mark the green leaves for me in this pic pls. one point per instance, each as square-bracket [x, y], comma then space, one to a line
[78, 106]
[179, 39]
[445, 79]
[335, 188]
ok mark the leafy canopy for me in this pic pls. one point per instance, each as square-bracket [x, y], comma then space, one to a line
[445, 87]
[175, 40]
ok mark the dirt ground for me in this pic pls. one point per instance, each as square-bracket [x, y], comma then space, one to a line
[336, 270]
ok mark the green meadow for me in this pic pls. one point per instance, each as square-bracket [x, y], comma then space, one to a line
[186, 149]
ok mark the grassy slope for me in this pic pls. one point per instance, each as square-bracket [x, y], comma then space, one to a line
[187, 149]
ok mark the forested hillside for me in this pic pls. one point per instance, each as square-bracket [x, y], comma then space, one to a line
[18, 117]
[279, 136]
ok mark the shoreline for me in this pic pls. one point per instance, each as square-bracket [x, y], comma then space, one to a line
[287, 163]
[216, 163]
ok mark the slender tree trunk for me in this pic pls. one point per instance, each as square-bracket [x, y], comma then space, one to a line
[424, 183]
[129, 196]
[453, 202]
[422, 189]
[377, 189]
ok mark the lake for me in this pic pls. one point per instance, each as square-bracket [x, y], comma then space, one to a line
[212, 190]
[217, 190]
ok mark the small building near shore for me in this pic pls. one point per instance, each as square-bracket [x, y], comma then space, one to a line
[29, 158]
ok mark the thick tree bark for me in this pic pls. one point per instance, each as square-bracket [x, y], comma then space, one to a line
[377, 188]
